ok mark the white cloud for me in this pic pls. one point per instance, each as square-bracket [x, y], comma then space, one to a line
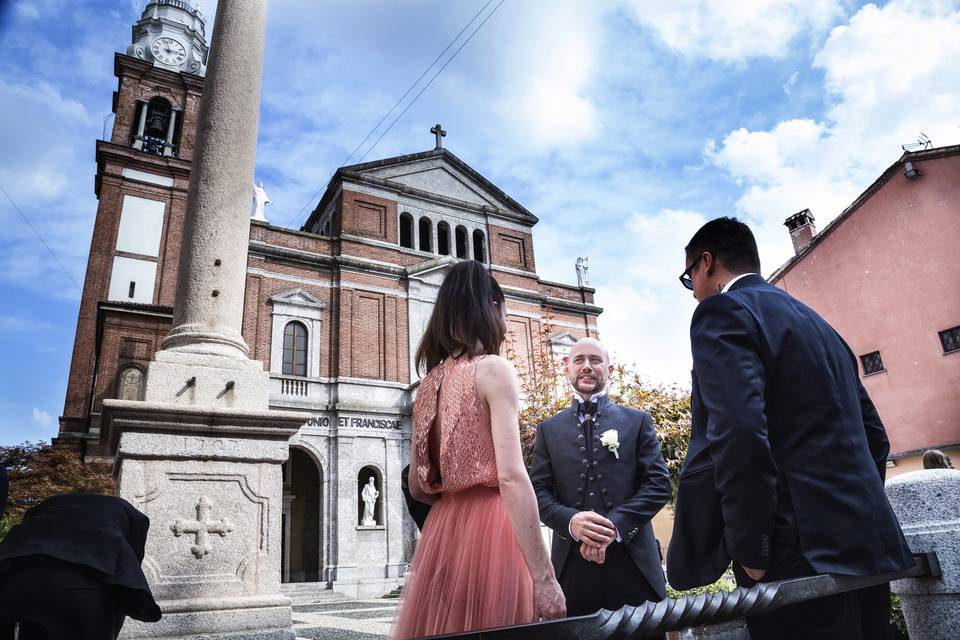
[552, 59]
[734, 30]
[646, 309]
[891, 73]
[788, 85]
[41, 418]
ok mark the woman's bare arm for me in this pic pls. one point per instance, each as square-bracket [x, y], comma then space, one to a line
[497, 385]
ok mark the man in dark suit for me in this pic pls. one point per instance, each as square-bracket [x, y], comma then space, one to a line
[599, 478]
[784, 472]
[71, 570]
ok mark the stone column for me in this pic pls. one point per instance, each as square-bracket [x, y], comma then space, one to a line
[201, 455]
[203, 361]
[213, 262]
[927, 503]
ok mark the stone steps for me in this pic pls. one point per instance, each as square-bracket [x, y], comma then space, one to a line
[393, 595]
[301, 592]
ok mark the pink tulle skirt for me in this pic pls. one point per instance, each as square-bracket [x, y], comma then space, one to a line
[468, 572]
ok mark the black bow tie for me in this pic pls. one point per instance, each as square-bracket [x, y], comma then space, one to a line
[588, 408]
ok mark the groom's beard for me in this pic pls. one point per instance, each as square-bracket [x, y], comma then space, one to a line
[590, 387]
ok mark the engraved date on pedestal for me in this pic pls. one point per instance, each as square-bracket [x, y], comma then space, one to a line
[202, 527]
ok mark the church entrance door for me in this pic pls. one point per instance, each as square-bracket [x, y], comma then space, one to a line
[302, 513]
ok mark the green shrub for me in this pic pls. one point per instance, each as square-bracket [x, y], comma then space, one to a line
[724, 584]
[896, 618]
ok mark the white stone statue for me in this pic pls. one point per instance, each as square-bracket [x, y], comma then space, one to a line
[369, 495]
[583, 272]
[260, 201]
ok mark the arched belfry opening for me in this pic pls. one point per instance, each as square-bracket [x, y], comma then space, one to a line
[158, 127]
[301, 545]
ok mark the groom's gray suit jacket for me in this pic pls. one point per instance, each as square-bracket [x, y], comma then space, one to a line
[570, 475]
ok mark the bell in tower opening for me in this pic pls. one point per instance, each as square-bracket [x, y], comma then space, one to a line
[158, 128]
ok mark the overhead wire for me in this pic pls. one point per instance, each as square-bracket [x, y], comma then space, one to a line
[406, 93]
[40, 238]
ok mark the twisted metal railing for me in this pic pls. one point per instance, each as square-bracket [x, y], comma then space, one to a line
[652, 619]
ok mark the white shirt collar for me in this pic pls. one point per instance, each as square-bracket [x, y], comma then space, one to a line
[727, 286]
[593, 398]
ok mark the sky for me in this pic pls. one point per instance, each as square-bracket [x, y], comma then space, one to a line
[623, 125]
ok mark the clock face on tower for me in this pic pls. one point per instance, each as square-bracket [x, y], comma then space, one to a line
[168, 51]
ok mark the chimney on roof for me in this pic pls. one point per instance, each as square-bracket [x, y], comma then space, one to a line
[801, 229]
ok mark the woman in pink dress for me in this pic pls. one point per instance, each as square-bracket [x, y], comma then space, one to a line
[481, 561]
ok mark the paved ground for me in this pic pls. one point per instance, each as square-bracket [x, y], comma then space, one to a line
[343, 619]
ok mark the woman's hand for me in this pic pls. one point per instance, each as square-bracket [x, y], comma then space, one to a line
[548, 600]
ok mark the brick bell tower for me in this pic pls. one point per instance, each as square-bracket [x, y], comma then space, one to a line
[143, 172]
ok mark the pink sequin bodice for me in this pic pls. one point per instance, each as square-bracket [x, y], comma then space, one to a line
[465, 456]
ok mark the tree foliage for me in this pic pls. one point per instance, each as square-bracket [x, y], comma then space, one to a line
[546, 391]
[39, 470]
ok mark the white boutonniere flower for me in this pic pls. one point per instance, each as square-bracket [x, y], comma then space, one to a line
[611, 440]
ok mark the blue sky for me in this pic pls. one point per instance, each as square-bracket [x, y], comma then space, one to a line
[624, 125]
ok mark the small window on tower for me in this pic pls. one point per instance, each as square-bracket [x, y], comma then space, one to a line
[872, 363]
[950, 339]
[133, 289]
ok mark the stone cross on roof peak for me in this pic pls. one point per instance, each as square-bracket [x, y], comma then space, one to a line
[438, 131]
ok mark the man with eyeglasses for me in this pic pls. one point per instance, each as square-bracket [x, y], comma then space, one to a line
[784, 472]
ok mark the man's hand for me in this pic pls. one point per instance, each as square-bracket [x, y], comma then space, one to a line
[592, 553]
[593, 528]
[755, 574]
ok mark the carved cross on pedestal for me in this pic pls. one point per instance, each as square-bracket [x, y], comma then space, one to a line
[202, 527]
[438, 131]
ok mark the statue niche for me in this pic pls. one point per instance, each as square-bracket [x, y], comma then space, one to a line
[369, 504]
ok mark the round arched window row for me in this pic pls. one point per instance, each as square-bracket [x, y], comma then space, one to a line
[295, 349]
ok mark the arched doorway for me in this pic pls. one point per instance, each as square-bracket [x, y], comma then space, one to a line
[301, 550]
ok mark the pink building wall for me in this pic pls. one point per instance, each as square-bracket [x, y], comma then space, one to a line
[886, 275]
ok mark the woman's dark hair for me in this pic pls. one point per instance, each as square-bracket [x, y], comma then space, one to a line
[730, 241]
[466, 319]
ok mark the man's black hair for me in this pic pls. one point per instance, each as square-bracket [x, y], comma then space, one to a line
[729, 241]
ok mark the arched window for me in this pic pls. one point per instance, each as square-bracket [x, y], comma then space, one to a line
[406, 230]
[158, 128]
[295, 349]
[461, 242]
[479, 251]
[425, 228]
[443, 238]
[131, 384]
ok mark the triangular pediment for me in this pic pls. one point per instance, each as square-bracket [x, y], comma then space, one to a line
[297, 297]
[564, 340]
[441, 173]
[440, 180]
[431, 271]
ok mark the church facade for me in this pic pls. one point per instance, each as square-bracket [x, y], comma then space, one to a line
[334, 310]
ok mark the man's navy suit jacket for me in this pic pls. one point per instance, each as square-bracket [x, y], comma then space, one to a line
[787, 449]
[631, 489]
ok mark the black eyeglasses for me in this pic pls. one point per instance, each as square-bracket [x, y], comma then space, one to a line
[685, 278]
